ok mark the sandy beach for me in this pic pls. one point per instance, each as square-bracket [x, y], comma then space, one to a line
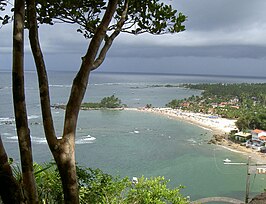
[215, 124]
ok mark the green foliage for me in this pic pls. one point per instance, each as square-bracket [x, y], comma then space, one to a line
[48, 183]
[250, 120]
[154, 190]
[4, 19]
[98, 187]
[90, 106]
[175, 103]
[244, 102]
[148, 105]
[3, 4]
[47, 179]
[150, 16]
[111, 102]
[243, 90]
[153, 16]
[84, 13]
[106, 102]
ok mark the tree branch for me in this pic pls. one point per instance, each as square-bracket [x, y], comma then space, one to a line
[42, 75]
[81, 80]
[109, 40]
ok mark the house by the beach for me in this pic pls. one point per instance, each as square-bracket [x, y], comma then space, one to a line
[257, 141]
[258, 135]
[242, 136]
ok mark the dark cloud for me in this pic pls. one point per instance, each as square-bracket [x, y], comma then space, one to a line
[222, 36]
[209, 15]
[188, 65]
[223, 51]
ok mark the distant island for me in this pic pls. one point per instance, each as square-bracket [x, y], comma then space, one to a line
[110, 102]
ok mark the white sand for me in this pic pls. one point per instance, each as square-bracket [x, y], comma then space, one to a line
[206, 121]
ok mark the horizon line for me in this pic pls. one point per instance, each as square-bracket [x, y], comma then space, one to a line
[154, 73]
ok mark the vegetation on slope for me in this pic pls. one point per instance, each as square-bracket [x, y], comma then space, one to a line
[244, 102]
[98, 187]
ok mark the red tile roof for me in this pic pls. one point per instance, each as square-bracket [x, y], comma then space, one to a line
[262, 137]
[258, 131]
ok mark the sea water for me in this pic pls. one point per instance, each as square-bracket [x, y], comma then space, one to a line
[130, 143]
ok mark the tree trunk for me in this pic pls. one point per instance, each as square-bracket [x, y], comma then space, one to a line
[65, 157]
[10, 190]
[65, 160]
[23, 131]
[63, 149]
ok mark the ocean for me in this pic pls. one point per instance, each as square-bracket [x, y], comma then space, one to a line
[130, 143]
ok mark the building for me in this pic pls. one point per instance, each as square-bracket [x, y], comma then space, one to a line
[242, 136]
[258, 134]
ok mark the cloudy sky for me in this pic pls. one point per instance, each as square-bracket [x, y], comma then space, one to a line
[225, 37]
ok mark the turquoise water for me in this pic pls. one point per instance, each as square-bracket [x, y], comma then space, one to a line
[129, 143]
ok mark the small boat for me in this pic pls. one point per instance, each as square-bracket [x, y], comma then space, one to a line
[227, 160]
[88, 137]
[135, 180]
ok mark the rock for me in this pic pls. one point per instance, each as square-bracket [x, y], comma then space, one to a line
[259, 199]
[217, 139]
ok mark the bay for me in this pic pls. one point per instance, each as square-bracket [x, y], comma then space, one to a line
[129, 143]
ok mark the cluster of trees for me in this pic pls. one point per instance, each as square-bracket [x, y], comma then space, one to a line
[100, 22]
[246, 93]
[244, 102]
[106, 102]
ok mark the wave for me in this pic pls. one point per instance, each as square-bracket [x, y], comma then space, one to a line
[35, 140]
[7, 120]
[42, 140]
[60, 86]
[6, 134]
[191, 140]
[117, 83]
[33, 117]
[5, 87]
[85, 140]
[12, 137]
[134, 132]
[38, 140]
[9, 138]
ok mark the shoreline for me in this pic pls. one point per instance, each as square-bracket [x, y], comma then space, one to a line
[217, 125]
[206, 121]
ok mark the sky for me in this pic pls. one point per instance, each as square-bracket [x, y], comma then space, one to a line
[222, 37]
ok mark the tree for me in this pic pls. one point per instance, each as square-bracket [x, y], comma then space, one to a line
[23, 131]
[4, 19]
[10, 190]
[111, 102]
[98, 187]
[101, 22]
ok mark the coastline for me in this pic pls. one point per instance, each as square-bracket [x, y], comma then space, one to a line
[212, 123]
[217, 125]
